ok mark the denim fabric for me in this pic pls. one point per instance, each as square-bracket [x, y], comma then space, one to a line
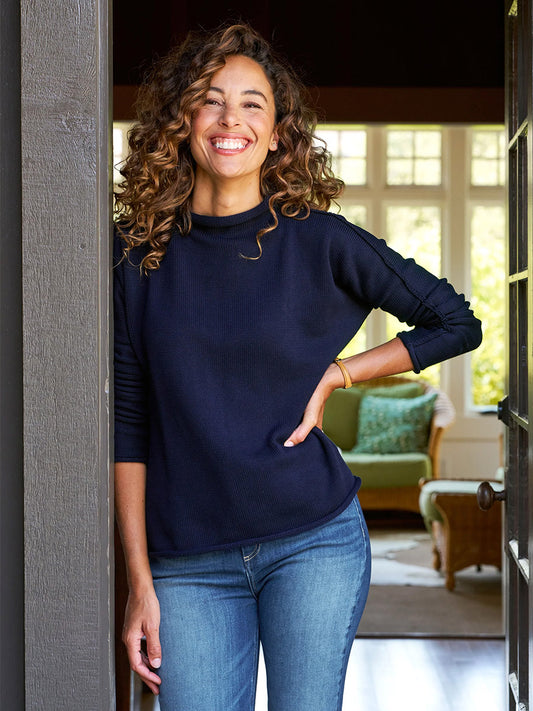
[301, 597]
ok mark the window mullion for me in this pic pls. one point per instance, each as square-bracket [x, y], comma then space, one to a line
[376, 325]
[456, 251]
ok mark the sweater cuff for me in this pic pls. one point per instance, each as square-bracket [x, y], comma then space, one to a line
[130, 448]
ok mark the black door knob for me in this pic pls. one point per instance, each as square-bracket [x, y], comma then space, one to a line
[486, 496]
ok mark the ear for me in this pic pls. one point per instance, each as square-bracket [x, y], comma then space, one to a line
[274, 141]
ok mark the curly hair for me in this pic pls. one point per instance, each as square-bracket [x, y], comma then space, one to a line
[154, 197]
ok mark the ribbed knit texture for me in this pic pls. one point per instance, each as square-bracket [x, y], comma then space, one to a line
[217, 355]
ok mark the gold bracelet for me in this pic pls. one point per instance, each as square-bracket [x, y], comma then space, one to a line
[345, 374]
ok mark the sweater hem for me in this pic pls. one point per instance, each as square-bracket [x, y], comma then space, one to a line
[270, 537]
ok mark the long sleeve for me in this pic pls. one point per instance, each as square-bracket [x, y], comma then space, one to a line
[131, 416]
[443, 324]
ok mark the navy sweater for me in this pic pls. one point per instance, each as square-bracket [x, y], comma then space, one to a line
[216, 357]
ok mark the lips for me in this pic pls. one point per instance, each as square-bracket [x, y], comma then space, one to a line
[229, 144]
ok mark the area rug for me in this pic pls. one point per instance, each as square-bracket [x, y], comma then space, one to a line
[408, 598]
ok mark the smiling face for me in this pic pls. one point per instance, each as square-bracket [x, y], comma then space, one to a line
[234, 129]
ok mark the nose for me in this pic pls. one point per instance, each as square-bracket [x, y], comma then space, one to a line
[229, 116]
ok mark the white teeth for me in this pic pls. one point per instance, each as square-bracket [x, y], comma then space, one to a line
[229, 144]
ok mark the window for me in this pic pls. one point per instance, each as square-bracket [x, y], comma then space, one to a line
[488, 157]
[487, 247]
[348, 150]
[413, 156]
[356, 214]
[415, 231]
[120, 147]
[487, 259]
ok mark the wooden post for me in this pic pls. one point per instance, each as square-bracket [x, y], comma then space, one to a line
[66, 141]
[11, 477]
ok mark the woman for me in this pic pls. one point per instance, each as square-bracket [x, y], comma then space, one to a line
[234, 292]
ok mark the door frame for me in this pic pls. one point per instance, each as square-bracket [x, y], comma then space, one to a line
[56, 522]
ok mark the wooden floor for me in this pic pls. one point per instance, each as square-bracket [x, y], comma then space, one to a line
[415, 675]
[426, 674]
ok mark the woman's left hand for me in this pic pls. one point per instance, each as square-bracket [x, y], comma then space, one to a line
[387, 359]
[314, 411]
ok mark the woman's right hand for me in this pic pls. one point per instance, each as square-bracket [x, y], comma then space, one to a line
[142, 621]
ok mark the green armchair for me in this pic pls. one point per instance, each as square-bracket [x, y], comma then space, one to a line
[389, 432]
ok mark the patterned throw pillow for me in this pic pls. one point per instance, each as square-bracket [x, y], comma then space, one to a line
[394, 425]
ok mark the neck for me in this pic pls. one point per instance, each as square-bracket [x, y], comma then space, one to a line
[225, 198]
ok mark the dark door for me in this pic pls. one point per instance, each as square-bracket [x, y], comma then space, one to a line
[517, 408]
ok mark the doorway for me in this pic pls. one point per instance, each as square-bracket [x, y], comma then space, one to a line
[448, 226]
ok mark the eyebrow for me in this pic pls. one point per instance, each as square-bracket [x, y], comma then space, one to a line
[255, 92]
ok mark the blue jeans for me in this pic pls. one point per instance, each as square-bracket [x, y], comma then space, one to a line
[301, 597]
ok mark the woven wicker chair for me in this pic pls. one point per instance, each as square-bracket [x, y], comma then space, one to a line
[463, 535]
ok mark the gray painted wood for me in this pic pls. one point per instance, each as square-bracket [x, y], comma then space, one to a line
[66, 221]
[11, 482]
